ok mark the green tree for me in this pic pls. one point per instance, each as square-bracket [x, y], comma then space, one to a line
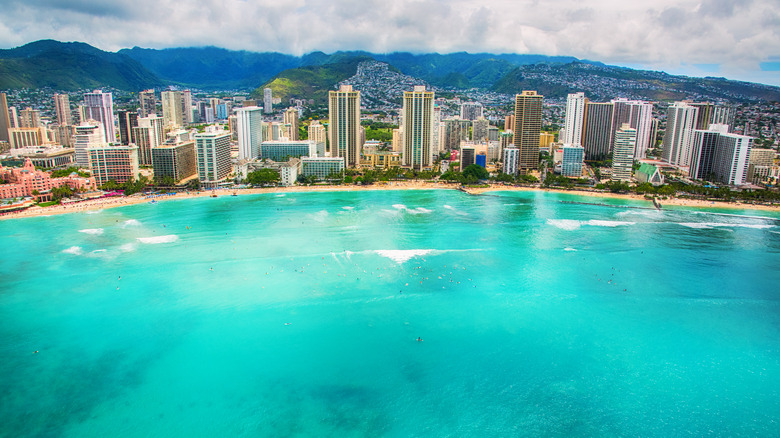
[475, 172]
[263, 177]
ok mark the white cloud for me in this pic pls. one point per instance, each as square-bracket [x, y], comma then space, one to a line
[663, 33]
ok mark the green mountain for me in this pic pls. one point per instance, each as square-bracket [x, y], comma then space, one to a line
[71, 66]
[603, 82]
[311, 82]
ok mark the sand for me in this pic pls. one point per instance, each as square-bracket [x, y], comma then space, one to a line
[97, 204]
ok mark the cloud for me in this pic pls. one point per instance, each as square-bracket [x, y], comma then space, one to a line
[668, 34]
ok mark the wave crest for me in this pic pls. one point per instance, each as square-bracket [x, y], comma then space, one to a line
[159, 239]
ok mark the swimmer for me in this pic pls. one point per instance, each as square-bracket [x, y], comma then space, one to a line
[287, 323]
[419, 339]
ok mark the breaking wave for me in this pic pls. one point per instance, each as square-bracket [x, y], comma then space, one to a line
[159, 239]
[93, 231]
[75, 250]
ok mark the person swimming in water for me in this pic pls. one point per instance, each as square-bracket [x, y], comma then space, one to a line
[419, 339]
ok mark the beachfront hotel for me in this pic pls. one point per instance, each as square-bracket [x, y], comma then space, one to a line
[528, 125]
[321, 167]
[113, 163]
[623, 154]
[22, 181]
[344, 128]
[418, 128]
[213, 151]
[175, 160]
[284, 150]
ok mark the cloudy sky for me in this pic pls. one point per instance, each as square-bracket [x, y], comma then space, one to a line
[738, 39]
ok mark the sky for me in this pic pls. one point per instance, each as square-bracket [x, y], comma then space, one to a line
[737, 39]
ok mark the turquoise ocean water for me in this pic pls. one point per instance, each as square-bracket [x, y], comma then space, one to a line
[298, 315]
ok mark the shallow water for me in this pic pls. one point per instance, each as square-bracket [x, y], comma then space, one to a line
[297, 315]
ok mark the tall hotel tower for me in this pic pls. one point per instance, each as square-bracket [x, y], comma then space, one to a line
[639, 115]
[99, 106]
[418, 128]
[681, 121]
[268, 101]
[623, 155]
[576, 104]
[147, 103]
[62, 108]
[344, 128]
[250, 132]
[5, 118]
[528, 125]
[597, 139]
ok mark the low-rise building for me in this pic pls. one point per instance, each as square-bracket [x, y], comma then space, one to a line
[321, 167]
[22, 181]
[649, 173]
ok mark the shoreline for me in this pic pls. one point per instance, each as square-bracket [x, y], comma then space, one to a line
[103, 203]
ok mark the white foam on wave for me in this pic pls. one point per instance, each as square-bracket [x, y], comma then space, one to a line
[655, 214]
[280, 196]
[348, 208]
[159, 239]
[127, 247]
[564, 224]
[420, 210]
[320, 215]
[711, 225]
[94, 211]
[569, 249]
[131, 223]
[402, 255]
[75, 250]
[571, 224]
[399, 206]
[600, 223]
[93, 231]
[449, 207]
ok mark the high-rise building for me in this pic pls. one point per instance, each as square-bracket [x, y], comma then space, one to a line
[720, 156]
[62, 108]
[317, 132]
[173, 108]
[511, 160]
[576, 104]
[344, 127]
[704, 117]
[455, 131]
[436, 128]
[479, 131]
[213, 152]
[623, 153]
[290, 120]
[175, 160]
[725, 115]
[398, 139]
[87, 135]
[703, 151]
[5, 118]
[250, 132]
[187, 110]
[127, 121]
[639, 115]
[268, 101]
[418, 128]
[30, 118]
[99, 106]
[572, 159]
[509, 122]
[471, 110]
[681, 119]
[26, 137]
[147, 103]
[149, 134]
[597, 139]
[113, 163]
[528, 125]
[284, 150]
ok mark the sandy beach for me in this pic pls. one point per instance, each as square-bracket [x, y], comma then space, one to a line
[102, 203]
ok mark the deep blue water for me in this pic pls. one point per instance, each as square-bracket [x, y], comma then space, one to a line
[298, 315]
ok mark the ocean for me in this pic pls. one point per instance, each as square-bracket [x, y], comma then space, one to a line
[391, 313]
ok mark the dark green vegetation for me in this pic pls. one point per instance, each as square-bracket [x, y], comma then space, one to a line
[311, 82]
[71, 66]
[263, 177]
[379, 131]
[65, 172]
[557, 80]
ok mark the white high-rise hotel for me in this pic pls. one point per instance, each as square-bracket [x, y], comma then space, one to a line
[418, 128]
[678, 138]
[250, 132]
[99, 106]
[575, 118]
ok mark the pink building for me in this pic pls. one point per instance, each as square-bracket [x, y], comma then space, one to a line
[21, 181]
